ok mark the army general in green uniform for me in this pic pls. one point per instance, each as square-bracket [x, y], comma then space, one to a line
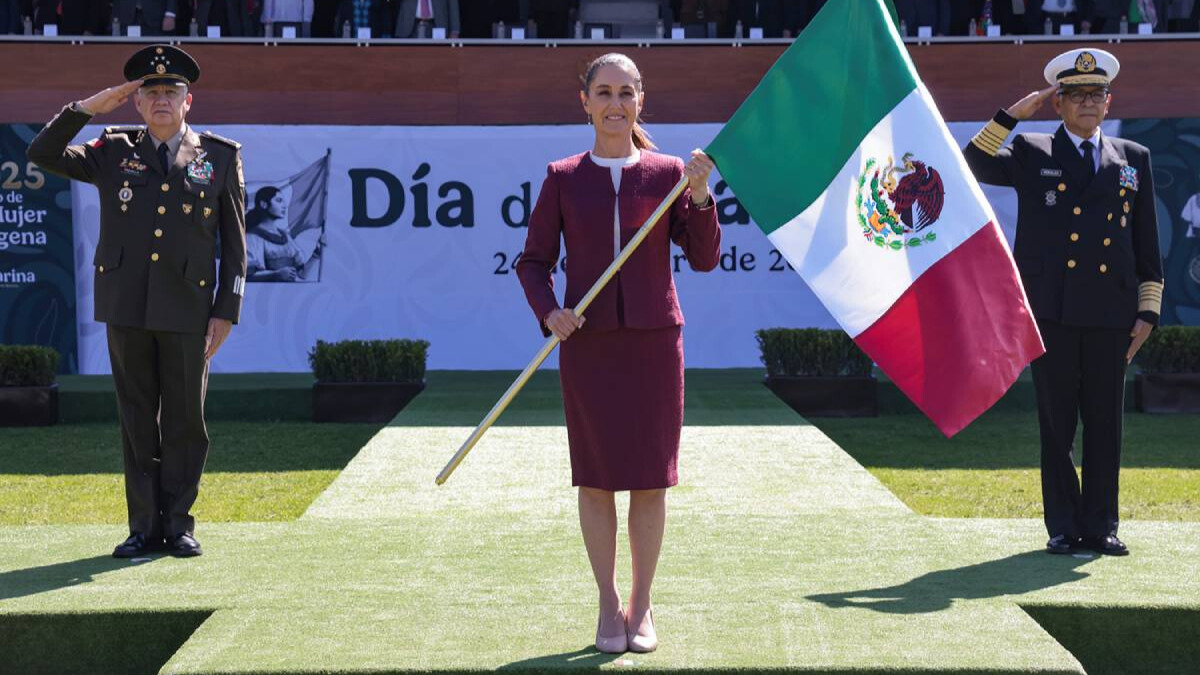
[171, 200]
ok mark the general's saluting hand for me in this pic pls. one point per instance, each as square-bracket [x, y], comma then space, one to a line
[1026, 107]
[110, 99]
[697, 171]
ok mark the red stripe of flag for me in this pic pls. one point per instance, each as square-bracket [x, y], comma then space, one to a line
[961, 334]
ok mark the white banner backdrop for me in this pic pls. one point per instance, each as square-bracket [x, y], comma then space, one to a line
[420, 229]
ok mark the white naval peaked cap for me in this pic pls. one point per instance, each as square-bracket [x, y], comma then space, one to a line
[1082, 67]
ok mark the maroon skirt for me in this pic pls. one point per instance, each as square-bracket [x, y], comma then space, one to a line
[623, 395]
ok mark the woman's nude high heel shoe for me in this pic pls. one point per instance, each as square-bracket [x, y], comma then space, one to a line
[643, 644]
[612, 645]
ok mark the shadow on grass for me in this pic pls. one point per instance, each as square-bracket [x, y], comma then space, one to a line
[237, 447]
[46, 578]
[1001, 439]
[1125, 640]
[588, 658]
[936, 591]
[112, 643]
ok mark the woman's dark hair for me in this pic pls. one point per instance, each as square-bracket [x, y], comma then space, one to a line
[263, 197]
[641, 139]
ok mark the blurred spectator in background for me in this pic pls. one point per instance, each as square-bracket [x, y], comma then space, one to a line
[413, 14]
[765, 14]
[932, 13]
[1182, 16]
[10, 18]
[1105, 15]
[232, 16]
[701, 18]
[797, 14]
[280, 13]
[554, 18]
[1058, 12]
[325, 22]
[155, 17]
[482, 16]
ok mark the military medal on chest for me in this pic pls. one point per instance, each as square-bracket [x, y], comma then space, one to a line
[1129, 177]
[125, 194]
[200, 170]
[1051, 197]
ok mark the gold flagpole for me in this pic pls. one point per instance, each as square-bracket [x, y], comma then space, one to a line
[552, 341]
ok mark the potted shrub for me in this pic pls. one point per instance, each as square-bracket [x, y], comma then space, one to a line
[818, 372]
[1169, 381]
[366, 380]
[28, 393]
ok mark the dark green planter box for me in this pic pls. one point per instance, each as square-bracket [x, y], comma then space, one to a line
[1167, 392]
[827, 396]
[362, 401]
[29, 406]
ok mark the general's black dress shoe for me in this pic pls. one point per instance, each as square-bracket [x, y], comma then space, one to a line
[1060, 544]
[1108, 545]
[136, 545]
[184, 546]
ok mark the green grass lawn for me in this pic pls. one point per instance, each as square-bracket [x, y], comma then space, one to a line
[256, 472]
[990, 470]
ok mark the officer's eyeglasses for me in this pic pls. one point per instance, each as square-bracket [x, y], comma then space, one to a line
[1096, 97]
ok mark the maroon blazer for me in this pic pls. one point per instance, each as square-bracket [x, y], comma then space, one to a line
[576, 205]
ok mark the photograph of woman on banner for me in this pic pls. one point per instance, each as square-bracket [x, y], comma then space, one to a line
[276, 248]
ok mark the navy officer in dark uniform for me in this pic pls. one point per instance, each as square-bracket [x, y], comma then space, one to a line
[1087, 250]
[169, 200]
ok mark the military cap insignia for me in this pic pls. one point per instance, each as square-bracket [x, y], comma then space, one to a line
[892, 208]
[1085, 62]
[1129, 177]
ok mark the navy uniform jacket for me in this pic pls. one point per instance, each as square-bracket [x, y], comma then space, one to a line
[156, 259]
[1087, 252]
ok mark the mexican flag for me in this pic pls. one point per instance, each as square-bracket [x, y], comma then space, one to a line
[843, 160]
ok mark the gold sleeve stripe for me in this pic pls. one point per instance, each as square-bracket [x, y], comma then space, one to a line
[1150, 296]
[990, 133]
[990, 138]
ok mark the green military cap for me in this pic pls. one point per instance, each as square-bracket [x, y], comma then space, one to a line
[162, 64]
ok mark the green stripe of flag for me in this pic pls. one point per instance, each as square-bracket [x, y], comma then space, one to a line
[810, 112]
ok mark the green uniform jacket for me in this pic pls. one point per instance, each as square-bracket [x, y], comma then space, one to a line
[156, 260]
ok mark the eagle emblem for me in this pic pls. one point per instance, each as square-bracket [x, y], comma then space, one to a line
[1085, 63]
[896, 204]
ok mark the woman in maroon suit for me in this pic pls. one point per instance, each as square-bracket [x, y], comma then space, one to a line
[622, 372]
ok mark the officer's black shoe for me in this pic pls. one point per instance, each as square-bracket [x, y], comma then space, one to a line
[1108, 545]
[136, 545]
[1060, 544]
[184, 546]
